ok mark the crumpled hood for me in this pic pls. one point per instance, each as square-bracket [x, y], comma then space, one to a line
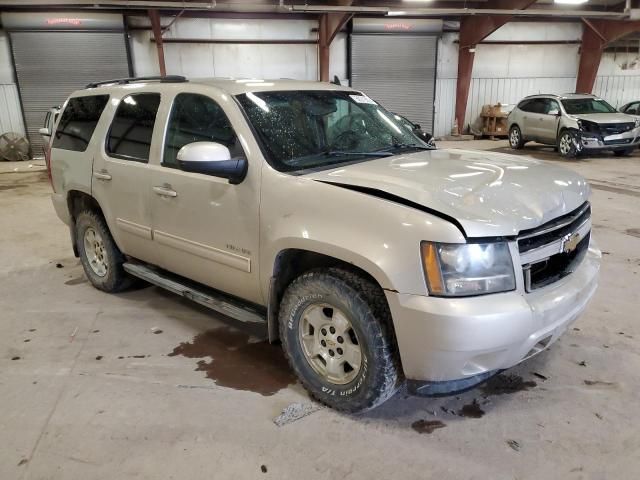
[489, 194]
[606, 117]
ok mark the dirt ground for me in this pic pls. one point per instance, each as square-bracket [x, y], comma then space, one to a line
[147, 385]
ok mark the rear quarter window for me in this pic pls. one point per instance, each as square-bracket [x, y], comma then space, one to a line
[132, 127]
[78, 122]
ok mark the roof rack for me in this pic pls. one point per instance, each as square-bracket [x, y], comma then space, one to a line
[124, 81]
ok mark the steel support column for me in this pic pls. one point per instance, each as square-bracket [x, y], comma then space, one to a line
[473, 30]
[154, 16]
[328, 27]
[597, 34]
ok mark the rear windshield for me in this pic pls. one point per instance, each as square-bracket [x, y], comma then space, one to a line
[78, 122]
[578, 106]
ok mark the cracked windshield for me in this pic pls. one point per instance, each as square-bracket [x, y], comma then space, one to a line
[314, 129]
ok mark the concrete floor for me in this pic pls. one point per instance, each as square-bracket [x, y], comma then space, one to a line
[88, 388]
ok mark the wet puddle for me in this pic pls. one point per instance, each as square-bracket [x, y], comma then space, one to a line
[634, 232]
[506, 384]
[236, 363]
[427, 426]
[471, 410]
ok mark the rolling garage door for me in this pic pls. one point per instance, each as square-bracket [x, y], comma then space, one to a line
[396, 68]
[51, 64]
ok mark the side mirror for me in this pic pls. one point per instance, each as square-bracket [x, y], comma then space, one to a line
[554, 111]
[44, 131]
[417, 126]
[211, 158]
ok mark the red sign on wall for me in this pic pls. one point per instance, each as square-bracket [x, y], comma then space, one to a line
[69, 21]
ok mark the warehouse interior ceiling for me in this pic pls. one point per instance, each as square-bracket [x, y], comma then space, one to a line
[447, 8]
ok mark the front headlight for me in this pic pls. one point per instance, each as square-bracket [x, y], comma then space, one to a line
[458, 270]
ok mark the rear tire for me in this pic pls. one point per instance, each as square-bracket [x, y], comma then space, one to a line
[515, 138]
[623, 153]
[100, 257]
[336, 332]
[566, 145]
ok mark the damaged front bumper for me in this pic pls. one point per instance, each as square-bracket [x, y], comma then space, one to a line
[588, 142]
[453, 344]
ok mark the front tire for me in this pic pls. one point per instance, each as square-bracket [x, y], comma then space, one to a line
[335, 328]
[566, 145]
[100, 257]
[515, 138]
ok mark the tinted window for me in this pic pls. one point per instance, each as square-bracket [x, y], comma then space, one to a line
[78, 122]
[538, 105]
[132, 127]
[196, 118]
[525, 105]
[632, 109]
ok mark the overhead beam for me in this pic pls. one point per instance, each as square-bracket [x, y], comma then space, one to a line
[596, 35]
[154, 16]
[472, 31]
[506, 9]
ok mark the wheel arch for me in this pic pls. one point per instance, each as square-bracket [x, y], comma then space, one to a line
[77, 201]
[289, 264]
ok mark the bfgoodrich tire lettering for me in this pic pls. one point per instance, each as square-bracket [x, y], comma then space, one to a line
[109, 275]
[368, 314]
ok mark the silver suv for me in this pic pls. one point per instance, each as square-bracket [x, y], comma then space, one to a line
[309, 208]
[574, 124]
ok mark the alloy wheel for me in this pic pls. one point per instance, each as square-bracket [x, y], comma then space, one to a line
[565, 144]
[330, 344]
[95, 252]
[514, 137]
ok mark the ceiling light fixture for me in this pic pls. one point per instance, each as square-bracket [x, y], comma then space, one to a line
[395, 13]
[570, 2]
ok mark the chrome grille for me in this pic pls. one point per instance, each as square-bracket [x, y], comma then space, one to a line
[555, 249]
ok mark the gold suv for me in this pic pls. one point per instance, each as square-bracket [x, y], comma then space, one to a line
[373, 257]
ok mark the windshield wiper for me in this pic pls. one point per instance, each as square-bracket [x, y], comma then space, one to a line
[328, 153]
[397, 146]
[340, 153]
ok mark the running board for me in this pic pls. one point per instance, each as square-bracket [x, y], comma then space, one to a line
[201, 294]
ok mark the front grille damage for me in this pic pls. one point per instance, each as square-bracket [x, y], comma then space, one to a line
[554, 250]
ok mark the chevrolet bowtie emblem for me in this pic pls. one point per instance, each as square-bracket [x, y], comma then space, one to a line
[570, 242]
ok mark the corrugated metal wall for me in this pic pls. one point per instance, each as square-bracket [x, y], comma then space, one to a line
[10, 110]
[615, 89]
[618, 89]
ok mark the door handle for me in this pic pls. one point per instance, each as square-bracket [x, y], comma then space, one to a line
[102, 175]
[165, 191]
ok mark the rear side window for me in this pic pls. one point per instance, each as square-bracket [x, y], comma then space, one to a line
[525, 105]
[132, 127]
[78, 122]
